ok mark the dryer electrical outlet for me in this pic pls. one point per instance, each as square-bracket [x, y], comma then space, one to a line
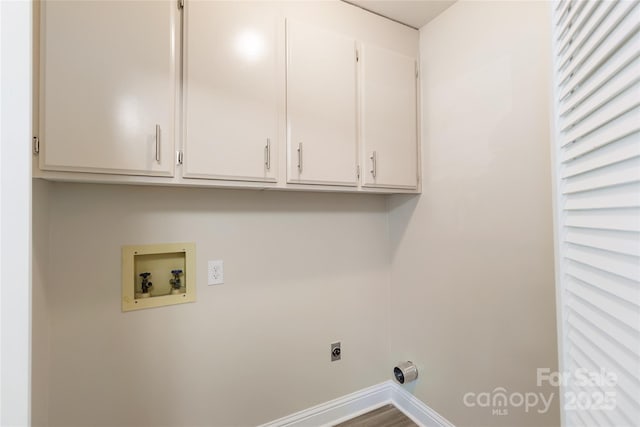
[336, 351]
[215, 272]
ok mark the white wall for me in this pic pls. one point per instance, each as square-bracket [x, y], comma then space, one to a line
[15, 196]
[472, 268]
[301, 271]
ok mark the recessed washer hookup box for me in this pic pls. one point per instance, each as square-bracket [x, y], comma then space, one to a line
[158, 275]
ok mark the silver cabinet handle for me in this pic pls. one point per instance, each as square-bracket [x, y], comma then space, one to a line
[300, 157]
[158, 143]
[267, 154]
[374, 164]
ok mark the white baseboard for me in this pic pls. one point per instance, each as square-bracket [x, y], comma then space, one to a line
[416, 409]
[360, 402]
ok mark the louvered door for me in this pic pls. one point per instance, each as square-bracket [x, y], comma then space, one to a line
[597, 65]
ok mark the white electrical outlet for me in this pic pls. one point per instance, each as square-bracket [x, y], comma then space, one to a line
[216, 272]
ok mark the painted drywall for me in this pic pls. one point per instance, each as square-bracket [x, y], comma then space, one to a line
[472, 258]
[39, 304]
[301, 271]
[469, 263]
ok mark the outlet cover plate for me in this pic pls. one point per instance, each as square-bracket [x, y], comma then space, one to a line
[215, 272]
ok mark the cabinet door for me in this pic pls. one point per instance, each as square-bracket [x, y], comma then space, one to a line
[389, 128]
[108, 86]
[232, 82]
[321, 106]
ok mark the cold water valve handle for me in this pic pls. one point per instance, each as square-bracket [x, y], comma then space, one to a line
[146, 284]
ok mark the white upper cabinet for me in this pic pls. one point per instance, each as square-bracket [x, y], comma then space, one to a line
[233, 87]
[321, 106]
[256, 94]
[108, 86]
[389, 127]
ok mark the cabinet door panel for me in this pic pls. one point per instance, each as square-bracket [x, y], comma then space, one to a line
[389, 130]
[231, 90]
[108, 86]
[321, 106]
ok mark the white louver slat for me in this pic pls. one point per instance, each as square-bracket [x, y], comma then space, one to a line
[597, 151]
[621, 20]
[627, 124]
[616, 83]
[620, 242]
[625, 148]
[577, 25]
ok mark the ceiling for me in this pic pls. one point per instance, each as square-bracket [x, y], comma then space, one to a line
[414, 13]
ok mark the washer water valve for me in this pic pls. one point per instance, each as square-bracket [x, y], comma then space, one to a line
[145, 285]
[176, 283]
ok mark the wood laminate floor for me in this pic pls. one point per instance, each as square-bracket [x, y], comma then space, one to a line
[385, 416]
